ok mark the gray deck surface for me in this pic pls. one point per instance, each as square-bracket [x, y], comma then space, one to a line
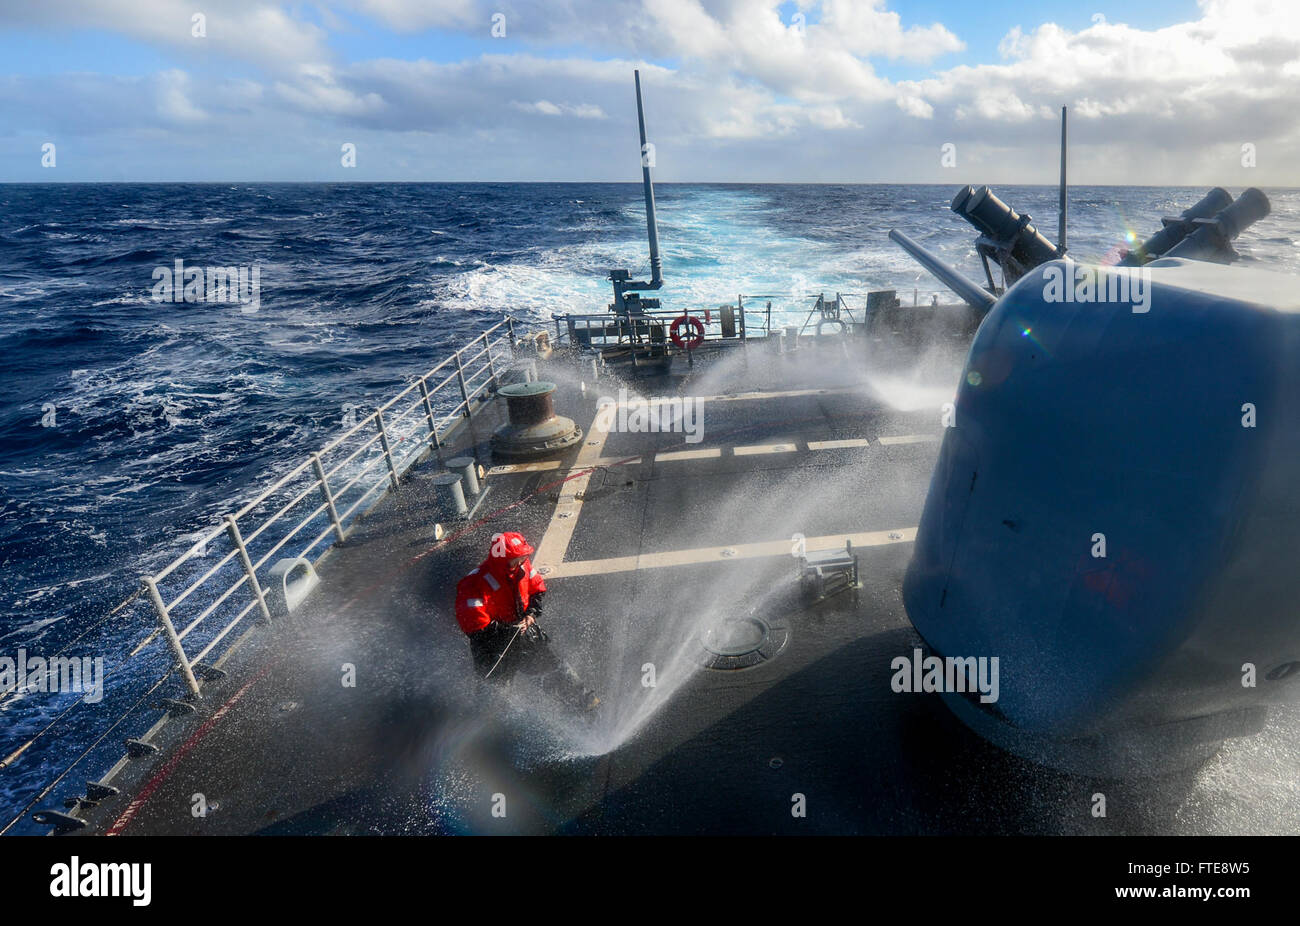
[419, 746]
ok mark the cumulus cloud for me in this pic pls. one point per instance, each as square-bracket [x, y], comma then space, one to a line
[743, 89]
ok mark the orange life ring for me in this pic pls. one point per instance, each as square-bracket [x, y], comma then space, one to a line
[696, 326]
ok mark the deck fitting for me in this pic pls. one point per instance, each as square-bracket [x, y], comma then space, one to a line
[138, 749]
[174, 707]
[98, 791]
[742, 642]
[824, 572]
[534, 429]
[62, 822]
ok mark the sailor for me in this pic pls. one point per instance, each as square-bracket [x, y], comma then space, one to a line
[497, 606]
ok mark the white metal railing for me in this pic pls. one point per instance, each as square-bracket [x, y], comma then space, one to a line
[201, 589]
[751, 316]
[311, 508]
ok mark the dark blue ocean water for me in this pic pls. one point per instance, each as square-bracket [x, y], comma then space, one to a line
[129, 426]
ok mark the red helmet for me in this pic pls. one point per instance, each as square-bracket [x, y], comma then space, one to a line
[509, 545]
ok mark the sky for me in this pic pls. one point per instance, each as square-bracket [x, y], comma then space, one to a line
[1175, 92]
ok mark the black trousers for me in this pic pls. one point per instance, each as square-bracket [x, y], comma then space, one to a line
[529, 653]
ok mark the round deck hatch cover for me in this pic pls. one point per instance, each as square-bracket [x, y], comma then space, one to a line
[520, 390]
[741, 642]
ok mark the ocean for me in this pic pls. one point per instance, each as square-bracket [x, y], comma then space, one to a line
[133, 423]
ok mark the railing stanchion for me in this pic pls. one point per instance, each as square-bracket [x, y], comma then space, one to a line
[510, 327]
[388, 453]
[339, 533]
[237, 539]
[492, 367]
[740, 307]
[165, 621]
[428, 414]
[460, 378]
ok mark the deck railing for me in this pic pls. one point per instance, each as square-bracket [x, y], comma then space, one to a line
[749, 317]
[301, 516]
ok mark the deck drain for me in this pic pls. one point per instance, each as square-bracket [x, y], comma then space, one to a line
[742, 642]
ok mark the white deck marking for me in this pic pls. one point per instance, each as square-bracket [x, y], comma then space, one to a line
[608, 461]
[524, 467]
[755, 449]
[788, 394]
[707, 453]
[743, 396]
[724, 554]
[908, 439]
[550, 552]
[833, 444]
[564, 520]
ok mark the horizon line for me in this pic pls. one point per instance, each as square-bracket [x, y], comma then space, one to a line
[635, 183]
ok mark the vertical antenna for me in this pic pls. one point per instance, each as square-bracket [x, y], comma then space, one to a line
[1060, 222]
[652, 227]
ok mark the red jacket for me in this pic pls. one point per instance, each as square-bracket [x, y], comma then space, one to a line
[492, 593]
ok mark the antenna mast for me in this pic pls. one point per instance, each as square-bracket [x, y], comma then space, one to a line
[652, 227]
[627, 298]
[1060, 222]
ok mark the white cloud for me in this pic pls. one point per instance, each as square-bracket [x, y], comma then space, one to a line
[172, 94]
[316, 88]
[250, 30]
[867, 28]
[750, 92]
[416, 15]
[547, 108]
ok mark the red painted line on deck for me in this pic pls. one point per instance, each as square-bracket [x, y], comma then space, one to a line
[163, 773]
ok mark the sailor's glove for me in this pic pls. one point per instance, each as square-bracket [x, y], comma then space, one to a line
[536, 634]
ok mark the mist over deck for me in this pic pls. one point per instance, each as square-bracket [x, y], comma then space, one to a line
[655, 549]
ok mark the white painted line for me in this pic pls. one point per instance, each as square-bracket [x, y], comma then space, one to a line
[608, 461]
[523, 467]
[703, 454]
[725, 554]
[834, 444]
[754, 449]
[564, 520]
[908, 439]
[738, 396]
[788, 394]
